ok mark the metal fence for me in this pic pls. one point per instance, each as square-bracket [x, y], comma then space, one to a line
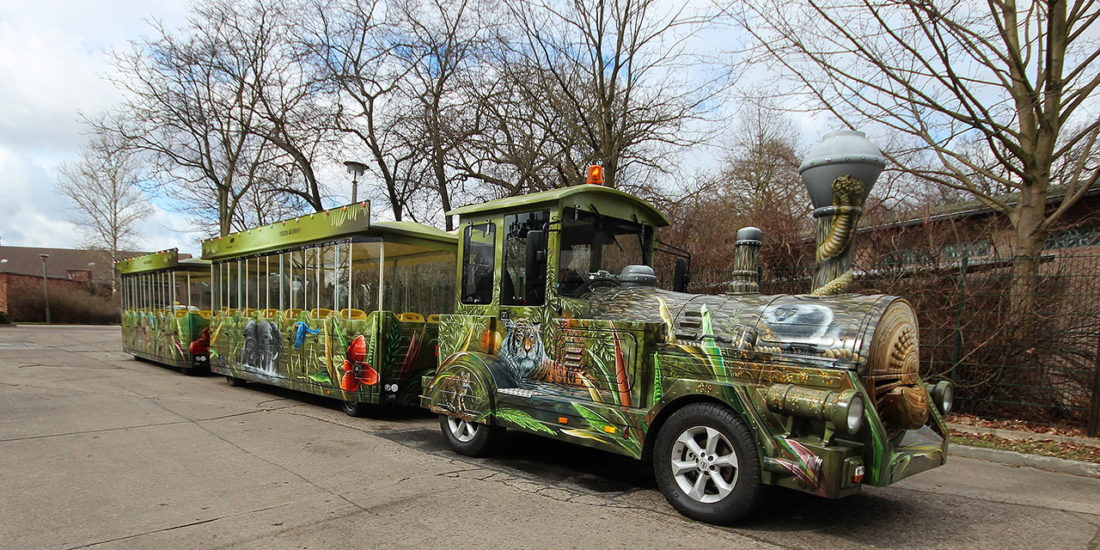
[1041, 364]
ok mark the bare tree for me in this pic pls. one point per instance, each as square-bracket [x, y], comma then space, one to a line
[196, 106]
[610, 82]
[294, 113]
[760, 168]
[999, 96]
[354, 46]
[757, 184]
[104, 187]
[438, 41]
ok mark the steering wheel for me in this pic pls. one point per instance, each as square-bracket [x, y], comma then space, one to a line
[587, 285]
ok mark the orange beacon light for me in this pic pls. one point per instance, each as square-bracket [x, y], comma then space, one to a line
[595, 174]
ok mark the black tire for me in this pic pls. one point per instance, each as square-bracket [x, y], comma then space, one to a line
[357, 409]
[234, 381]
[480, 442]
[711, 503]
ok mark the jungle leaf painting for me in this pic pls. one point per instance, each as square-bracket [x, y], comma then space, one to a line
[521, 419]
[658, 383]
[600, 424]
[321, 378]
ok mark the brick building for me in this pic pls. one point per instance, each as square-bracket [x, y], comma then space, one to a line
[72, 268]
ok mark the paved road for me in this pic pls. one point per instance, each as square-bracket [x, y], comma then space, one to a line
[99, 450]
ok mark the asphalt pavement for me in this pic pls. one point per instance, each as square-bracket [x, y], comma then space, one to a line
[99, 450]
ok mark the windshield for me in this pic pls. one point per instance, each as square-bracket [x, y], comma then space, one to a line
[590, 243]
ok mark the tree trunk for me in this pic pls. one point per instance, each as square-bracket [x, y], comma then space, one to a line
[1030, 240]
[224, 218]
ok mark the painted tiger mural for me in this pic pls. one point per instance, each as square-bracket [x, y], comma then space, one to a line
[521, 351]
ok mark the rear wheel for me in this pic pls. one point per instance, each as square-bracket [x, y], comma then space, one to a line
[354, 408]
[469, 438]
[234, 381]
[706, 464]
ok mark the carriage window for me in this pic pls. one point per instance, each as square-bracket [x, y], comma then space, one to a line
[271, 281]
[326, 277]
[365, 276]
[419, 276]
[518, 287]
[200, 290]
[180, 296]
[342, 280]
[297, 281]
[478, 257]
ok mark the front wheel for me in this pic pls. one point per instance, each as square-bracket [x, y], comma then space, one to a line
[469, 438]
[234, 381]
[706, 464]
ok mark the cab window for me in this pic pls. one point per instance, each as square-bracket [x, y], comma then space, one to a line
[478, 257]
[517, 287]
[591, 243]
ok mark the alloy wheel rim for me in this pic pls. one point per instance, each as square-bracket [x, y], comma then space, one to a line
[462, 430]
[704, 464]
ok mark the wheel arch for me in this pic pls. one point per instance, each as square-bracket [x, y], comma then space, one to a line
[670, 409]
[448, 393]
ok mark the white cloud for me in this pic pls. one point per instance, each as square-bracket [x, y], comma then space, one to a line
[33, 214]
[53, 57]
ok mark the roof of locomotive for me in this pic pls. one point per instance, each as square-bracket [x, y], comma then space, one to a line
[605, 199]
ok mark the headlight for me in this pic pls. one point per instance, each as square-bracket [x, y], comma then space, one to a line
[943, 395]
[844, 409]
[855, 414]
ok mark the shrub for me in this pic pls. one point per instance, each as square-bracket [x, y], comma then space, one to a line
[69, 303]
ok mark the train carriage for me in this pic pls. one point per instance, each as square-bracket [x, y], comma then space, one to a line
[166, 309]
[332, 305]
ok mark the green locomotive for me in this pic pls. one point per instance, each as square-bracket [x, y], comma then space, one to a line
[561, 331]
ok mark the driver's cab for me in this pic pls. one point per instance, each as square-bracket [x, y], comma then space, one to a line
[532, 251]
[526, 265]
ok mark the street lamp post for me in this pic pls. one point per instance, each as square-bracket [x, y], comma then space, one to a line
[45, 287]
[356, 169]
[91, 277]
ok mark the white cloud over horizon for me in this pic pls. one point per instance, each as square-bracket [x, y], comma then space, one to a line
[54, 57]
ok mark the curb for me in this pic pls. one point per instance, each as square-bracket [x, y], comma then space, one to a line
[1013, 458]
[1018, 435]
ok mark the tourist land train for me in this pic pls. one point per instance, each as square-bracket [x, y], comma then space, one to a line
[543, 315]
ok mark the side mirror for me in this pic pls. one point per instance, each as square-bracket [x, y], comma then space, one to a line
[681, 277]
[535, 265]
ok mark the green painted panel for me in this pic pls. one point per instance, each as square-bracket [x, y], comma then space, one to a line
[310, 227]
[150, 262]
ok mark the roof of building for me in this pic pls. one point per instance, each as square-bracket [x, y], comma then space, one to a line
[970, 208]
[61, 262]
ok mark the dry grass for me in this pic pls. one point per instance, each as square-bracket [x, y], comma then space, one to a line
[1042, 447]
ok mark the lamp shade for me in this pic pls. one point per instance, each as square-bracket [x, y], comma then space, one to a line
[846, 152]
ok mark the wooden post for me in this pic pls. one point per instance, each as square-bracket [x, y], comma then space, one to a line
[1094, 405]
